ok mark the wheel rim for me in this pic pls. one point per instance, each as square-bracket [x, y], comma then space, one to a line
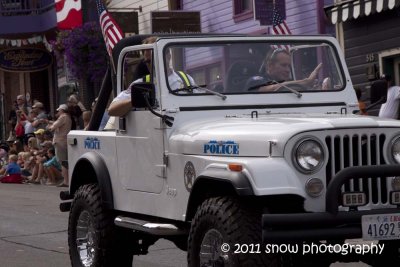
[85, 239]
[210, 250]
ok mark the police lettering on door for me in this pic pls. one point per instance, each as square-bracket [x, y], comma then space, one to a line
[92, 143]
[221, 148]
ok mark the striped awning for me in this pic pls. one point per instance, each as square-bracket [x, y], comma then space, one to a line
[353, 9]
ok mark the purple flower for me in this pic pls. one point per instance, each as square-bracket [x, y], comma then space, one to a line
[84, 50]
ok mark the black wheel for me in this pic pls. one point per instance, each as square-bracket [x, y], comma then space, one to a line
[93, 239]
[225, 220]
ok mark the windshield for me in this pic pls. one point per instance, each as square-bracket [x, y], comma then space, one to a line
[253, 67]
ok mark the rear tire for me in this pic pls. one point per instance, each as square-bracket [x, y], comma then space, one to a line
[93, 239]
[226, 220]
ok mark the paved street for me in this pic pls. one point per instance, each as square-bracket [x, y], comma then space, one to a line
[33, 232]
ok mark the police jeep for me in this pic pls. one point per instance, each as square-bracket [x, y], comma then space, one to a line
[221, 164]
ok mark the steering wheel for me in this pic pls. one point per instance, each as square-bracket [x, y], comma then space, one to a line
[238, 74]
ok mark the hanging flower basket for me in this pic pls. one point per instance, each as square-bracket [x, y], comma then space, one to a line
[84, 51]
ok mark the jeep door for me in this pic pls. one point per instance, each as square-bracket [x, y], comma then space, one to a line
[140, 137]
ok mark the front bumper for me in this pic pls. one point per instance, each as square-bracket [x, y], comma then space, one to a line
[331, 224]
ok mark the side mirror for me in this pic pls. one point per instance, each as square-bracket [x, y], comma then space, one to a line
[142, 91]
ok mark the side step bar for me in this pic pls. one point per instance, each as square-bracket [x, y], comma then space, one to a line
[149, 227]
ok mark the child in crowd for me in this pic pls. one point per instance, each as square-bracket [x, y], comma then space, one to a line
[52, 168]
[13, 171]
[27, 167]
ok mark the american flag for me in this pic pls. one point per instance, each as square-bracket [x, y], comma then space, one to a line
[279, 26]
[112, 33]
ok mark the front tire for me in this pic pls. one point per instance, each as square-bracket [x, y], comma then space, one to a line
[93, 239]
[226, 220]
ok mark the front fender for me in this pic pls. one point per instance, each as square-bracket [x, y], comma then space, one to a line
[91, 168]
[238, 180]
[215, 182]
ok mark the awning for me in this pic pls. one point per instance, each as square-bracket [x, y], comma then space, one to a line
[353, 9]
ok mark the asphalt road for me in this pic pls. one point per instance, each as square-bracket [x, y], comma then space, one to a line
[33, 232]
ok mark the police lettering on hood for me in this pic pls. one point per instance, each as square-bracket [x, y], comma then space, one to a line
[221, 148]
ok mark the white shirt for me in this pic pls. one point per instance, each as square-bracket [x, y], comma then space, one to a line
[175, 82]
[28, 128]
[390, 109]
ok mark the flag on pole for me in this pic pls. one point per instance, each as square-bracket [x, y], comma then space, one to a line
[69, 14]
[112, 33]
[279, 27]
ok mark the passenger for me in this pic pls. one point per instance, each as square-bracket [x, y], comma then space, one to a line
[122, 103]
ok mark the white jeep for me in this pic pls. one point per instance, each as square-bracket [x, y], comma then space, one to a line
[233, 161]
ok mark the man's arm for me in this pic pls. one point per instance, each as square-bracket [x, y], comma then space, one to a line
[120, 107]
[305, 82]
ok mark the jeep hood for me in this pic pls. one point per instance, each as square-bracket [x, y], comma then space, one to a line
[246, 136]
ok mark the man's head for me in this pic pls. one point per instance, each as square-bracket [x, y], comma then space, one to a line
[73, 100]
[20, 100]
[38, 106]
[63, 108]
[278, 64]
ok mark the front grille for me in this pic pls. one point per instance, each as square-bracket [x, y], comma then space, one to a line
[358, 150]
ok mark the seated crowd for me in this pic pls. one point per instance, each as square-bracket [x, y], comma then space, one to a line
[37, 147]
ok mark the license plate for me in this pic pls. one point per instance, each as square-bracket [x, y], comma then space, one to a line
[381, 226]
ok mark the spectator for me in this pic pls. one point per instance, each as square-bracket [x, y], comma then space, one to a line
[28, 128]
[21, 104]
[19, 127]
[390, 109]
[33, 149]
[39, 134]
[86, 115]
[4, 148]
[13, 171]
[52, 168]
[75, 109]
[361, 104]
[48, 135]
[61, 127]
[41, 120]
[18, 146]
[28, 164]
[10, 140]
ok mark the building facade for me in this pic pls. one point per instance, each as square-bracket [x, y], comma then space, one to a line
[144, 9]
[369, 32]
[255, 17]
[26, 65]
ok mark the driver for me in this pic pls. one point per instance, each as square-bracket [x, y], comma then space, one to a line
[277, 73]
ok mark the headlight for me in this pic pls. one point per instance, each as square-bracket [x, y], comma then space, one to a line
[308, 155]
[396, 150]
